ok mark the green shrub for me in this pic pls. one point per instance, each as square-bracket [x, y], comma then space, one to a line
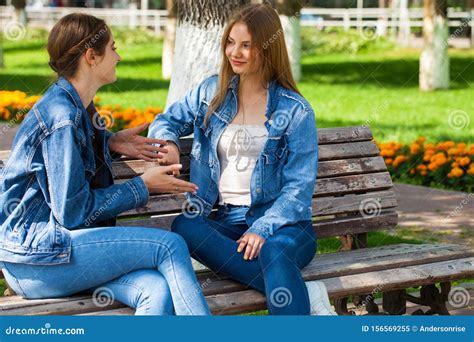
[336, 40]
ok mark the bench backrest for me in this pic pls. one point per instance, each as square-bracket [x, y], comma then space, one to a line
[353, 194]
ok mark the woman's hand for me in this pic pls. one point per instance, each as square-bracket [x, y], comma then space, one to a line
[252, 243]
[129, 143]
[171, 157]
[158, 180]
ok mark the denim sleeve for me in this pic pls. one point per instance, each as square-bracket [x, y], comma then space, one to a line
[178, 120]
[114, 155]
[73, 202]
[298, 179]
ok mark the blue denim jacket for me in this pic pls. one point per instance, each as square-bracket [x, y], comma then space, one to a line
[45, 186]
[284, 177]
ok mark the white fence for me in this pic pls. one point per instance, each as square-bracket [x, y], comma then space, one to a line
[131, 17]
[398, 21]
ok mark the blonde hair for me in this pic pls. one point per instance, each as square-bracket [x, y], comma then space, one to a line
[265, 28]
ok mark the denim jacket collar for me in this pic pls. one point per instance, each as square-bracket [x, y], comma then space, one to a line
[69, 88]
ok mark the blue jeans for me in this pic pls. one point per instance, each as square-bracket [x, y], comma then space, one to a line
[144, 268]
[277, 270]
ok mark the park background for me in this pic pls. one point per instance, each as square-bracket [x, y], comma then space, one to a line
[405, 68]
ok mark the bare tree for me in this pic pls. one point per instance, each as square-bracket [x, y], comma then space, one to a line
[434, 60]
[197, 47]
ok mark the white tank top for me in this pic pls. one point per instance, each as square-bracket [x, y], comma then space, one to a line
[238, 150]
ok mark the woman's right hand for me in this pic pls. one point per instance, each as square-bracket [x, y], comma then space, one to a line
[158, 180]
[171, 157]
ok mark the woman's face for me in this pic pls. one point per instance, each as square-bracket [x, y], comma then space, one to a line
[238, 50]
[105, 67]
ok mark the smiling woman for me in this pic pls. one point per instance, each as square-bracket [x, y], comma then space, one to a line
[254, 155]
[59, 201]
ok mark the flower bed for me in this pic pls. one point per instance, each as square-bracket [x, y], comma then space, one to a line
[444, 164]
[14, 105]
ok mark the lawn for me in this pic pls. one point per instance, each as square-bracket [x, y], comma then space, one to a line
[378, 88]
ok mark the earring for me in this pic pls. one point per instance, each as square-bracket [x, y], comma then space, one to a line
[93, 66]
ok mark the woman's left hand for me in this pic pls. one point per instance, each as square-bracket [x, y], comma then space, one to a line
[129, 143]
[252, 243]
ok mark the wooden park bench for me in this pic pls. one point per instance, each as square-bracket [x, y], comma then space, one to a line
[353, 196]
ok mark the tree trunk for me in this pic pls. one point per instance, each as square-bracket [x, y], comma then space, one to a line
[2, 65]
[434, 60]
[169, 40]
[404, 24]
[197, 46]
[382, 21]
[289, 11]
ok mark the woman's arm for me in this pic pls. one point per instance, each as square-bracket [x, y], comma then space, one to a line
[73, 202]
[178, 120]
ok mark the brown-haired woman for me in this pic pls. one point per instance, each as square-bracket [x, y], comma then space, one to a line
[57, 234]
[254, 155]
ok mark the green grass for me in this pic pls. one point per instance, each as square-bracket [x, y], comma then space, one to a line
[378, 88]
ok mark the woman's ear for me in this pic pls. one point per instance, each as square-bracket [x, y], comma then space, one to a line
[90, 56]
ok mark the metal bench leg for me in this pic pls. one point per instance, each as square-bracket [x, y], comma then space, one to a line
[394, 302]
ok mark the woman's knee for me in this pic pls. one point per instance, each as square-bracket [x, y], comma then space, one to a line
[145, 290]
[187, 227]
[277, 246]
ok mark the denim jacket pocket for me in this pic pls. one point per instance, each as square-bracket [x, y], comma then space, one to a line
[272, 171]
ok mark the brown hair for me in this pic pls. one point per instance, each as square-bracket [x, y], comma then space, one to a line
[69, 39]
[268, 41]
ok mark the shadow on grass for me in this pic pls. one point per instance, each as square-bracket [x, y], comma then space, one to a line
[35, 85]
[388, 73]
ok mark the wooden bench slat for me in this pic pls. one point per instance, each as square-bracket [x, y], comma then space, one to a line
[353, 262]
[131, 168]
[387, 280]
[169, 203]
[325, 136]
[357, 268]
[329, 227]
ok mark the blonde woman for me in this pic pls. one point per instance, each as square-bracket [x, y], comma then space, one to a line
[254, 155]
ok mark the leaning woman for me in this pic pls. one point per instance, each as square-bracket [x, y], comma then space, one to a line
[254, 156]
[59, 201]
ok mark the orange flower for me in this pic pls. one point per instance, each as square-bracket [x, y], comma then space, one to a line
[387, 153]
[389, 161]
[464, 161]
[455, 172]
[415, 148]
